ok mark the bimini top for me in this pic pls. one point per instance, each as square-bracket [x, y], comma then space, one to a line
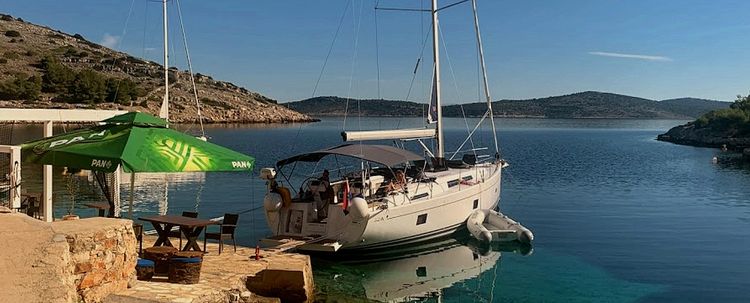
[383, 154]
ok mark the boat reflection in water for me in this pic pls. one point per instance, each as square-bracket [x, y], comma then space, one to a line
[414, 274]
[152, 189]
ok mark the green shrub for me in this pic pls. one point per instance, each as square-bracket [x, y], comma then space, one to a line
[30, 53]
[122, 90]
[12, 34]
[21, 87]
[742, 103]
[724, 119]
[3, 60]
[57, 77]
[87, 87]
[215, 103]
[10, 55]
[5, 17]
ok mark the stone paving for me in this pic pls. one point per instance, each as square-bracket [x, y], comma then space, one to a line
[223, 277]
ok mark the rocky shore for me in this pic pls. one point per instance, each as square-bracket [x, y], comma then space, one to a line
[691, 134]
[25, 46]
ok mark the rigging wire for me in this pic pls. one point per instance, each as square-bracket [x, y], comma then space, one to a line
[421, 10]
[122, 37]
[330, 48]
[458, 94]
[416, 67]
[190, 69]
[357, 24]
[377, 49]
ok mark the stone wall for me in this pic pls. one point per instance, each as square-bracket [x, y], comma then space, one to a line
[102, 255]
[65, 261]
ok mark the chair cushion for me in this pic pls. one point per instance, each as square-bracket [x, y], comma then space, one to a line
[186, 260]
[145, 263]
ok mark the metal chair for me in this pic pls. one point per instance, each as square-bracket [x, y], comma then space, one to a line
[226, 231]
[178, 233]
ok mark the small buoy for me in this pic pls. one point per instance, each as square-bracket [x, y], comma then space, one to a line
[715, 160]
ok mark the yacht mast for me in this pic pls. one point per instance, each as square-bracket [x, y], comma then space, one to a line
[484, 75]
[164, 111]
[440, 154]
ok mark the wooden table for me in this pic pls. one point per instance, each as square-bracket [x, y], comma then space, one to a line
[190, 227]
[101, 206]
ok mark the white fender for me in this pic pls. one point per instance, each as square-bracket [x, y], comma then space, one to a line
[272, 202]
[358, 209]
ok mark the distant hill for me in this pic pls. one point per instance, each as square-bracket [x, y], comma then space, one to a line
[337, 106]
[692, 107]
[45, 68]
[579, 105]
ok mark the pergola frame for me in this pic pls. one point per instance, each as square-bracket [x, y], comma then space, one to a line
[49, 116]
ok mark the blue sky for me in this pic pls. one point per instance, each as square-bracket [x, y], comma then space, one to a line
[651, 49]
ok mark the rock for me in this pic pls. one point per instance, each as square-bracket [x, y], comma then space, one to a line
[291, 282]
[690, 134]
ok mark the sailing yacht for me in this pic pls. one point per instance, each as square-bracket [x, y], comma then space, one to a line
[395, 196]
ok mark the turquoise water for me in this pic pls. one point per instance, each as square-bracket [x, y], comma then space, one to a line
[618, 216]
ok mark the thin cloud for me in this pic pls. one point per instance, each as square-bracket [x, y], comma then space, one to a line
[632, 56]
[109, 40]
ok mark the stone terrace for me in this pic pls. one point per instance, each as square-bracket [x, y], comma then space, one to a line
[225, 278]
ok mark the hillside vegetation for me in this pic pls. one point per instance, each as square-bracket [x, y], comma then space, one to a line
[729, 126]
[580, 105]
[45, 68]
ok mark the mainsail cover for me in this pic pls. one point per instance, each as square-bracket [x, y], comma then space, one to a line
[432, 110]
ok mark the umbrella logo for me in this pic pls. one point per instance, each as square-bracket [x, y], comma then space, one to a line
[184, 157]
[240, 164]
[101, 163]
[42, 148]
[76, 139]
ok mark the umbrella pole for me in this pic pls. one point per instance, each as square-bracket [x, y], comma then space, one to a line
[132, 192]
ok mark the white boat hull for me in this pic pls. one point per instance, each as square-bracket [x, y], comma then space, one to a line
[400, 221]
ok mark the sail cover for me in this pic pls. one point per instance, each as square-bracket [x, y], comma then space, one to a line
[432, 110]
[383, 154]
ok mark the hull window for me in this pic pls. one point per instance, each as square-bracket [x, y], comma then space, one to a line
[422, 219]
[476, 203]
[453, 183]
[421, 271]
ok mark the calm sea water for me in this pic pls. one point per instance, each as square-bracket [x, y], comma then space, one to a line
[618, 216]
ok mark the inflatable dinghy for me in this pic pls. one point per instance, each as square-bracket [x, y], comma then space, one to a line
[491, 226]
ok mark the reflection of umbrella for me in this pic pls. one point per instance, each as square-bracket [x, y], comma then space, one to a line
[139, 143]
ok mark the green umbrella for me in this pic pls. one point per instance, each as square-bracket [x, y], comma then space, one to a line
[139, 143]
